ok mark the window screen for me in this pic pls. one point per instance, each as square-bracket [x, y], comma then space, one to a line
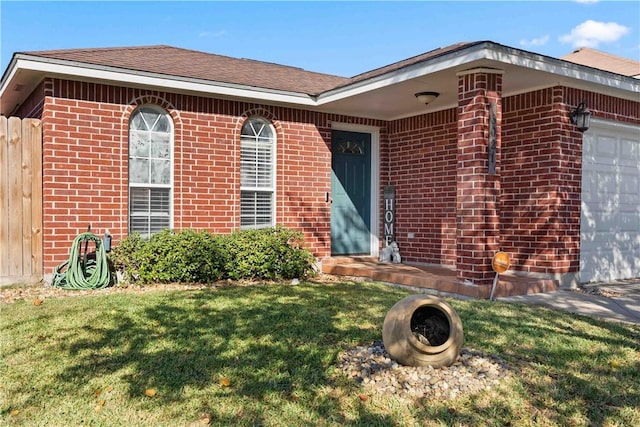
[257, 173]
[150, 169]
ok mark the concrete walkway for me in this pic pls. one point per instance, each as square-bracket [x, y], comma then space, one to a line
[616, 301]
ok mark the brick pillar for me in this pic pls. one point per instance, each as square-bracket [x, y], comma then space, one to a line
[478, 188]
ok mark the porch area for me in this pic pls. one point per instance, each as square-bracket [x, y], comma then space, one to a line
[440, 280]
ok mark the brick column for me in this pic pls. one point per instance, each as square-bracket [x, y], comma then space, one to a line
[478, 188]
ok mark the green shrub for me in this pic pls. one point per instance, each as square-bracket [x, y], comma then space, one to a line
[267, 253]
[127, 257]
[186, 256]
[168, 257]
[189, 256]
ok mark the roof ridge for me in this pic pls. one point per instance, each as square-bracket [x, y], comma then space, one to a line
[93, 49]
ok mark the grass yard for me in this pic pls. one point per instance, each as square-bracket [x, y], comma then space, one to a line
[266, 355]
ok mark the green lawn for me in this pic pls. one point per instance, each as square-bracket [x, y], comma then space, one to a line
[92, 360]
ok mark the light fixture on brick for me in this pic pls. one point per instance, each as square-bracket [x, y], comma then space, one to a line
[426, 97]
[580, 117]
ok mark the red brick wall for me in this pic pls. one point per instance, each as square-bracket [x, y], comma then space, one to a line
[82, 173]
[542, 174]
[603, 106]
[541, 181]
[478, 191]
[85, 169]
[422, 167]
[538, 203]
[85, 174]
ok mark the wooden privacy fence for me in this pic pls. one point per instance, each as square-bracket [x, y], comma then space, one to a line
[20, 200]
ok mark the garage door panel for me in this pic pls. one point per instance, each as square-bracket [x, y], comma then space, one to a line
[607, 219]
[608, 241]
[630, 222]
[606, 182]
[618, 241]
[605, 148]
[605, 265]
[629, 184]
[629, 152]
[607, 222]
[603, 210]
[588, 190]
[588, 221]
[610, 220]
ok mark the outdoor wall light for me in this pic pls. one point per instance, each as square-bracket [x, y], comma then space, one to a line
[580, 117]
[426, 97]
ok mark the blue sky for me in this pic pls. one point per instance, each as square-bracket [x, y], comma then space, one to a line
[341, 38]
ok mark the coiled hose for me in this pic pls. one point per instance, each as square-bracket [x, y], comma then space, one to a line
[82, 272]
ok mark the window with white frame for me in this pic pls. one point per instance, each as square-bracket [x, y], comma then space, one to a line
[150, 170]
[257, 173]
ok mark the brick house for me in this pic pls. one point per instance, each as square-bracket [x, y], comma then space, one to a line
[144, 138]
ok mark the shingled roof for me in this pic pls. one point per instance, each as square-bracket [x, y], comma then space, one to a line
[604, 61]
[187, 63]
[173, 61]
[411, 61]
[372, 91]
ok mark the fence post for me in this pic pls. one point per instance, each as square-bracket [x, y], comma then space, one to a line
[20, 199]
[4, 198]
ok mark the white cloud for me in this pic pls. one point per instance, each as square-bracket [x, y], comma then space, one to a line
[215, 34]
[586, 1]
[539, 41]
[592, 33]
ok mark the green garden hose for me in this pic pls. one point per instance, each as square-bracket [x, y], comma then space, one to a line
[80, 272]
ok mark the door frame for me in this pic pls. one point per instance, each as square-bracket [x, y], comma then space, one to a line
[374, 197]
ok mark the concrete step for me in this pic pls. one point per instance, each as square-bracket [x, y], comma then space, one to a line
[440, 280]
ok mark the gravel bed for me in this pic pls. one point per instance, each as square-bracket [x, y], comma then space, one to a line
[597, 291]
[372, 367]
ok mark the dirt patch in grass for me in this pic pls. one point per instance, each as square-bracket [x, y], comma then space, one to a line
[40, 292]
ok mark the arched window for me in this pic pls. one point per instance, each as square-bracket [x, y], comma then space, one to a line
[150, 170]
[257, 173]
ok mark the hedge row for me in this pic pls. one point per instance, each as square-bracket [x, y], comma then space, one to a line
[202, 257]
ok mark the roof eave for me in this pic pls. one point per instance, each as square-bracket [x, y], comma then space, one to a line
[497, 53]
[420, 69]
[567, 73]
[92, 72]
[562, 68]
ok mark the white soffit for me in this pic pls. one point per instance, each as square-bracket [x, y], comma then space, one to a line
[410, 72]
[563, 69]
[498, 55]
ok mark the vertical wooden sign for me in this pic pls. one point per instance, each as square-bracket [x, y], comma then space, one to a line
[389, 213]
[493, 138]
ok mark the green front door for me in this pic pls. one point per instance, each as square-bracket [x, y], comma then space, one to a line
[351, 193]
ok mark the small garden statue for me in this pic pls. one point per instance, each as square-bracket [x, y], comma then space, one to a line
[391, 253]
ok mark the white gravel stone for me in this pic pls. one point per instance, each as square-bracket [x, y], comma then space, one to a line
[372, 367]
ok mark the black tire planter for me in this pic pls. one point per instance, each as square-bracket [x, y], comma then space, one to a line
[423, 330]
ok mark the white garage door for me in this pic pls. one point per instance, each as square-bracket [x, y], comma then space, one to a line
[610, 223]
